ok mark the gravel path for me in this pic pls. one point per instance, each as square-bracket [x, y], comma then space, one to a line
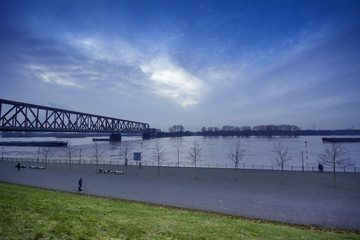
[305, 198]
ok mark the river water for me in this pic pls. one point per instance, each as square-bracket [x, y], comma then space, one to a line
[258, 151]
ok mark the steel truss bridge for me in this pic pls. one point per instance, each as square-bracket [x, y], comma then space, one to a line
[19, 116]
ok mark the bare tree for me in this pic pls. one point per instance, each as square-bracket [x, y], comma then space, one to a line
[176, 128]
[70, 152]
[282, 156]
[97, 154]
[195, 155]
[236, 154]
[335, 155]
[125, 153]
[47, 153]
[179, 145]
[159, 155]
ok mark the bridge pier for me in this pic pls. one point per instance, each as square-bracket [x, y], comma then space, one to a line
[150, 133]
[115, 137]
[146, 136]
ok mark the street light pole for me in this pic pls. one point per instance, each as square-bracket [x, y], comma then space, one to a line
[302, 159]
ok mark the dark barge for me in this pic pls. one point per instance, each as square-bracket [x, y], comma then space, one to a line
[35, 144]
[332, 139]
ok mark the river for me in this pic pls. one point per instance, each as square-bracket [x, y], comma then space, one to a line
[258, 151]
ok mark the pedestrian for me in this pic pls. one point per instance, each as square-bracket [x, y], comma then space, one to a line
[80, 185]
[319, 167]
[18, 166]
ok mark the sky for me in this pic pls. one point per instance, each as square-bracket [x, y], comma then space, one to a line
[187, 62]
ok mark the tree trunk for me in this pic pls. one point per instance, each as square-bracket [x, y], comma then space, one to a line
[195, 170]
[236, 172]
[158, 168]
[334, 176]
[70, 163]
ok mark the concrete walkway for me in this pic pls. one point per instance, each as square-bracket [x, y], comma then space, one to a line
[305, 198]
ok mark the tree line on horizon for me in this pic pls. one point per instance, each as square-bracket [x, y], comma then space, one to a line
[283, 130]
[259, 130]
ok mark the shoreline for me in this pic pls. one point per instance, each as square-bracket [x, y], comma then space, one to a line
[305, 198]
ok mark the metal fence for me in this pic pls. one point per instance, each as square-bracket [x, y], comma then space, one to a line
[179, 164]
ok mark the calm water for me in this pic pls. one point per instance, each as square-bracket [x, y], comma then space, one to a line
[258, 153]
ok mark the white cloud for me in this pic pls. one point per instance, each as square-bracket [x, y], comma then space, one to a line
[112, 50]
[55, 77]
[174, 82]
[157, 74]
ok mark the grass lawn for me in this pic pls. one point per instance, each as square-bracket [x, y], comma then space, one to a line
[32, 213]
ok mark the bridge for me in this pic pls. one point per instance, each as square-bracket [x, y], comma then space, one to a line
[19, 116]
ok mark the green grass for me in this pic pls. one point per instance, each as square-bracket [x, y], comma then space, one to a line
[32, 213]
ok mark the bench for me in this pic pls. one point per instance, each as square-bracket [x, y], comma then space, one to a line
[37, 167]
[21, 166]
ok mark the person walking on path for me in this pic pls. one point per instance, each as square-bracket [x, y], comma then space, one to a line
[80, 185]
[18, 166]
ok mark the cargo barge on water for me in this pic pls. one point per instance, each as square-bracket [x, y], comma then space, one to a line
[333, 139]
[35, 143]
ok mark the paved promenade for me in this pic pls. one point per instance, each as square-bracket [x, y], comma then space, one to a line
[305, 198]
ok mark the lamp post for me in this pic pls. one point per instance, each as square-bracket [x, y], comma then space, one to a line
[302, 159]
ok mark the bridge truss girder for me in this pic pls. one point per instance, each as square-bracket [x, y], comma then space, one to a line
[18, 116]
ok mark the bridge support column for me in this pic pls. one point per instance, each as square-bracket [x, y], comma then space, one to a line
[146, 136]
[115, 137]
[150, 133]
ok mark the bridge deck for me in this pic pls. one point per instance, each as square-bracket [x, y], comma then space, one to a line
[19, 116]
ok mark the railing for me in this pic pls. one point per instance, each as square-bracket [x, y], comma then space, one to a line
[181, 164]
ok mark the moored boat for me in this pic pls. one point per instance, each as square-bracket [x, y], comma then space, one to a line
[333, 139]
[35, 144]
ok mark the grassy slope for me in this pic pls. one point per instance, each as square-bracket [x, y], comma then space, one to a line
[30, 213]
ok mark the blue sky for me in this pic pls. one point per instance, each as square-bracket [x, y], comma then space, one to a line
[196, 63]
